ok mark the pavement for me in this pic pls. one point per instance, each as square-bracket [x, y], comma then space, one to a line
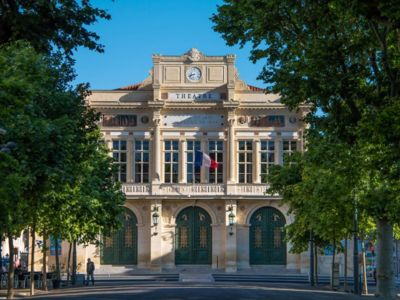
[194, 291]
[199, 285]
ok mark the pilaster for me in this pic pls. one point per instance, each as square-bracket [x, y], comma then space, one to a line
[155, 236]
[278, 149]
[231, 146]
[256, 161]
[182, 159]
[231, 237]
[157, 147]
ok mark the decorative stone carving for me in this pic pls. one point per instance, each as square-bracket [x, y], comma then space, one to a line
[242, 120]
[144, 119]
[194, 54]
[292, 119]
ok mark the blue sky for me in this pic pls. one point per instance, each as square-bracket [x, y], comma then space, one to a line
[139, 29]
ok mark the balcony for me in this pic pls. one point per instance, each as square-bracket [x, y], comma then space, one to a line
[187, 190]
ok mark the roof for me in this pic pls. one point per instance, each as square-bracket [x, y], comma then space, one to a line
[132, 87]
[135, 87]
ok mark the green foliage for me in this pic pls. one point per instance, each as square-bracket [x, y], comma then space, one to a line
[49, 24]
[342, 58]
[59, 178]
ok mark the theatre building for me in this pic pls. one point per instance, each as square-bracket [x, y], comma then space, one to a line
[177, 212]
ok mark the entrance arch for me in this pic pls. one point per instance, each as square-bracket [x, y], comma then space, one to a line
[121, 247]
[193, 237]
[267, 245]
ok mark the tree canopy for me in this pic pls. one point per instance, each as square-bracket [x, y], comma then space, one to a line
[341, 58]
[51, 24]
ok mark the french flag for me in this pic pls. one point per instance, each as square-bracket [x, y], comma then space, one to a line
[204, 160]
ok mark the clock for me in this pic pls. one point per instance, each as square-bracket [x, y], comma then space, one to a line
[193, 74]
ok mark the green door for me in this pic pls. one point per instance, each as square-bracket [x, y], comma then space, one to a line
[193, 237]
[121, 247]
[267, 245]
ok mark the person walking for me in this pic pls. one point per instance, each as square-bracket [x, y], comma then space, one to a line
[89, 271]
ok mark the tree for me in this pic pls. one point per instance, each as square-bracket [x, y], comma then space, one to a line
[51, 24]
[59, 151]
[342, 58]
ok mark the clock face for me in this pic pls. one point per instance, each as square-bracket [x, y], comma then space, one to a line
[193, 74]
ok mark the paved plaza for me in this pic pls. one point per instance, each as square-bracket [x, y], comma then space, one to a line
[194, 291]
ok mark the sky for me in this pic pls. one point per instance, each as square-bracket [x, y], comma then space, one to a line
[139, 29]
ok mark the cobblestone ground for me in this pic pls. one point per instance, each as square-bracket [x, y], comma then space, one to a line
[192, 291]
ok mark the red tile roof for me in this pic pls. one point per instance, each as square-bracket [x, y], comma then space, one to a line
[254, 88]
[132, 87]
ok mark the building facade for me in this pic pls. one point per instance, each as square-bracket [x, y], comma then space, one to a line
[177, 213]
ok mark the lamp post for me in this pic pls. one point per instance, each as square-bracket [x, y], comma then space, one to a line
[155, 217]
[311, 258]
[231, 219]
[355, 252]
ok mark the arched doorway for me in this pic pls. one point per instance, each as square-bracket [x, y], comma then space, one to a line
[267, 245]
[193, 237]
[121, 247]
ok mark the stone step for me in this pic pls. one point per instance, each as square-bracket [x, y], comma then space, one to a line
[195, 277]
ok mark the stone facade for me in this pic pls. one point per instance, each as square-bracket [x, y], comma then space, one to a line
[197, 98]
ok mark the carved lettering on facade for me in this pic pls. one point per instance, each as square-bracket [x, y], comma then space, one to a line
[268, 121]
[194, 120]
[200, 189]
[119, 120]
[194, 96]
[136, 189]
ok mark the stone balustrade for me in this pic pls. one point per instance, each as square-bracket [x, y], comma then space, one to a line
[203, 189]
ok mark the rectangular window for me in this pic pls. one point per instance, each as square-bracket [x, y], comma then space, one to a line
[245, 165]
[289, 147]
[216, 152]
[267, 158]
[171, 161]
[193, 172]
[141, 161]
[119, 153]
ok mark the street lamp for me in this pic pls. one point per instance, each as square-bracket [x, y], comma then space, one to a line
[155, 217]
[231, 219]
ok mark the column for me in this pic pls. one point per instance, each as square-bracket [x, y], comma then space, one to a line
[278, 149]
[231, 237]
[182, 160]
[129, 160]
[157, 148]
[256, 160]
[204, 148]
[231, 144]
[155, 236]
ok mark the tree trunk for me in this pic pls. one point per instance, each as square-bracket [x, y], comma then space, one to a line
[384, 265]
[69, 263]
[365, 284]
[74, 264]
[58, 277]
[10, 285]
[44, 251]
[32, 283]
[333, 266]
[345, 264]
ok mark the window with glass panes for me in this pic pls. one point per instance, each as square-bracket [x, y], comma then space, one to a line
[289, 146]
[193, 171]
[141, 161]
[171, 161]
[119, 153]
[245, 153]
[267, 158]
[216, 152]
